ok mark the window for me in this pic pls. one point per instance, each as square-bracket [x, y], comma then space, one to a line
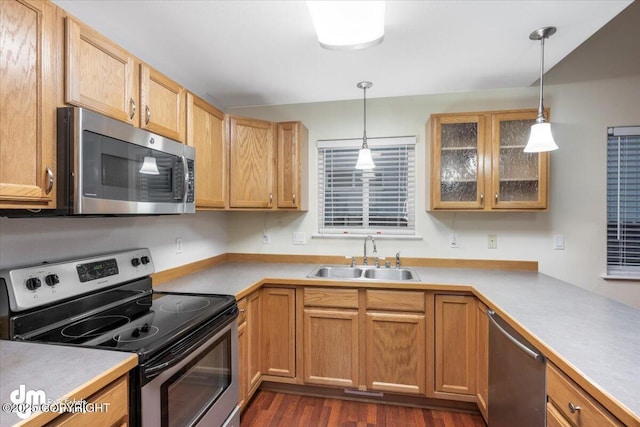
[378, 201]
[623, 201]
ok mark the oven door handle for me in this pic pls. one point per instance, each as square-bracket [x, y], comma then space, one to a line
[154, 371]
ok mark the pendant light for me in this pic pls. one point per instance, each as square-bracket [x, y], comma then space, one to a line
[541, 138]
[365, 161]
[149, 166]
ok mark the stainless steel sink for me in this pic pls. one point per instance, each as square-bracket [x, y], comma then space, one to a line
[363, 272]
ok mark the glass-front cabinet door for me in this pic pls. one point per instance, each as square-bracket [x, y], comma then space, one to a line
[518, 179]
[457, 161]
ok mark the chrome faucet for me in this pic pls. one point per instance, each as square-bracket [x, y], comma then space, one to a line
[397, 259]
[375, 250]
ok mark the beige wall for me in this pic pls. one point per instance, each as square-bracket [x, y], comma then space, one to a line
[604, 92]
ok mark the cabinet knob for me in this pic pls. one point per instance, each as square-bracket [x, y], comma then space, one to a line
[147, 114]
[132, 108]
[294, 198]
[49, 180]
[242, 310]
[574, 408]
[270, 198]
[482, 200]
[496, 197]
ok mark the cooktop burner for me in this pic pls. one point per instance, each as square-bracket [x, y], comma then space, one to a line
[93, 326]
[185, 306]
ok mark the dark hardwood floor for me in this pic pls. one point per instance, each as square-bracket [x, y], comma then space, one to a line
[278, 409]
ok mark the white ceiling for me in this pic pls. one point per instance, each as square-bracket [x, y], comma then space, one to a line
[246, 53]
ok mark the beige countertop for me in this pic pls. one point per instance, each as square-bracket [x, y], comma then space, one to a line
[61, 372]
[595, 337]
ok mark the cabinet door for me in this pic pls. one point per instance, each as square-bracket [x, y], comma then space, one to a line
[396, 352]
[27, 107]
[243, 364]
[206, 132]
[331, 350]
[292, 140]
[457, 161]
[252, 164]
[482, 359]
[99, 74]
[518, 179]
[278, 323]
[455, 347]
[254, 342]
[163, 104]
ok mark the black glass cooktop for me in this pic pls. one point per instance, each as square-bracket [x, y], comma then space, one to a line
[143, 325]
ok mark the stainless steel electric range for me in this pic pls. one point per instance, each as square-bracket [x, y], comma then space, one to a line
[186, 343]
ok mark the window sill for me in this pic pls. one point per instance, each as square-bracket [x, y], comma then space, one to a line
[362, 236]
[621, 277]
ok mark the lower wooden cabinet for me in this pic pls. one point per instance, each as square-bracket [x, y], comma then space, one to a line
[569, 405]
[279, 331]
[115, 395]
[482, 360]
[455, 347]
[249, 346]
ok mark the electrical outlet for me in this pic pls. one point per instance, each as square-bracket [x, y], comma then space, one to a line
[492, 241]
[178, 245]
[558, 242]
[266, 239]
[453, 240]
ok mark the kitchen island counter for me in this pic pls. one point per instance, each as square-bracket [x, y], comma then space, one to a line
[63, 373]
[591, 336]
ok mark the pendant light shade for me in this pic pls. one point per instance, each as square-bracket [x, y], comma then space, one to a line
[149, 166]
[540, 138]
[365, 161]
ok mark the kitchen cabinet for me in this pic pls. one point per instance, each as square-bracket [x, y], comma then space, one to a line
[102, 76]
[396, 341]
[28, 65]
[292, 161]
[252, 160]
[206, 132]
[243, 356]
[279, 331]
[478, 162]
[569, 405]
[482, 360]
[455, 347]
[331, 332]
[115, 401]
[254, 341]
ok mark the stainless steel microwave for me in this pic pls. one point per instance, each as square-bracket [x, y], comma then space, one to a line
[107, 167]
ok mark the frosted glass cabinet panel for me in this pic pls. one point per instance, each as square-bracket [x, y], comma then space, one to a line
[478, 162]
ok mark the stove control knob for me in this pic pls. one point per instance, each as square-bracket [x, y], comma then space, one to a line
[33, 283]
[145, 327]
[52, 279]
[135, 262]
[145, 260]
[135, 333]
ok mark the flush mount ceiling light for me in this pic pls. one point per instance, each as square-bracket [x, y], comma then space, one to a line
[348, 25]
[541, 138]
[365, 161]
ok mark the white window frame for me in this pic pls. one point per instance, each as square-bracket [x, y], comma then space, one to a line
[374, 143]
[623, 203]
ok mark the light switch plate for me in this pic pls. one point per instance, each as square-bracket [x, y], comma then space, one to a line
[299, 238]
[558, 242]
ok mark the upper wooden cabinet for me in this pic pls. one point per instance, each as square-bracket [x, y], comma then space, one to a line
[251, 164]
[292, 160]
[207, 133]
[28, 69]
[162, 104]
[478, 162]
[102, 76]
[99, 74]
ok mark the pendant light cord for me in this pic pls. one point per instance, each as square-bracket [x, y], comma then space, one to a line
[540, 118]
[364, 135]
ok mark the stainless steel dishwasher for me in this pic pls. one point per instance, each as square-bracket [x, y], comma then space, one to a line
[517, 395]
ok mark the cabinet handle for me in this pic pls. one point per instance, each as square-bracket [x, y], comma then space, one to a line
[242, 310]
[132, 108]
[270, 198]
[574, 408]
[482, 200]
[294, 199]
[147, 114]
[496, 198]
[50, 180]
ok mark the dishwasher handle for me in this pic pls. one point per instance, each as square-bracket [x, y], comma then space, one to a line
[536, 356]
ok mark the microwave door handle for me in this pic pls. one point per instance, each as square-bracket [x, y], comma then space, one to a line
[185, 168]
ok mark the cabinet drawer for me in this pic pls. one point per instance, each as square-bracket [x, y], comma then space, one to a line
[395, 300]
[563, 392]
[242, 311]
[555, 418]
[336, 298]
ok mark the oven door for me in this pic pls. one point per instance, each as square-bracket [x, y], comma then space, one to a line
[202, 389]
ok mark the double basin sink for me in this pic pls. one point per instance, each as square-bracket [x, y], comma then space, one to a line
[363, 272]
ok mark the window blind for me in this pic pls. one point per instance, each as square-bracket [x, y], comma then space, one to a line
[623, 201]
[378, 201]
